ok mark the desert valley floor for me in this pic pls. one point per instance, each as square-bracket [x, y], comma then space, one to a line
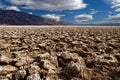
[59, 53]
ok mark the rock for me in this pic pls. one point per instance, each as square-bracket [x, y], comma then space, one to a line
[7, 69]
[44, 56]
[3, 78]
[64, 58]
[42, 45]
[66, 55]
[109, 60]
[34, 68]
[23, 60]
[86, 74]
[72, 69]
[9, 76]
[53, 59]
[43, 74]
[117, 55]
[59, 47]
[75, 69]
[48, 65]
[98, 40]
[90, 62]
[52, 75]
[97, 76]
[114, 45]
[19, 75]
[4, 59]
[34, 77]
[77, 58]
[4, 46]
[49, 58]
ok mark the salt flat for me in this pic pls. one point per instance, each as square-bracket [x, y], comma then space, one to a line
[59, 53]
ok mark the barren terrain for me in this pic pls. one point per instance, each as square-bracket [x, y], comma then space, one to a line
[59, 53]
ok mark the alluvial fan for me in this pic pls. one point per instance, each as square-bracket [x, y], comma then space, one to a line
[59, 53]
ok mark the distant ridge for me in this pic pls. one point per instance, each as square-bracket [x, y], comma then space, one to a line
[115, 24]
[10, 17]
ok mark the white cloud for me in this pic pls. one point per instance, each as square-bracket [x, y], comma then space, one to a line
[117, 10]
[115, 4]
[12, 8]
[93, 11]
[30, 13]
[52, 16]
[110, 20]
[83, 18]
[52, 5]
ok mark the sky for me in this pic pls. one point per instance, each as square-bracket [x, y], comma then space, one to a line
[71, 11]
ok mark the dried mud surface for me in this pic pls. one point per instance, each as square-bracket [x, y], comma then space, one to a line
[60, 53]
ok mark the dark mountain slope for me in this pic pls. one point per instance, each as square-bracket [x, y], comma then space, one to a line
[10, 17]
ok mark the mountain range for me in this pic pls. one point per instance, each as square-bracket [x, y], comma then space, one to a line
[11, 17]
